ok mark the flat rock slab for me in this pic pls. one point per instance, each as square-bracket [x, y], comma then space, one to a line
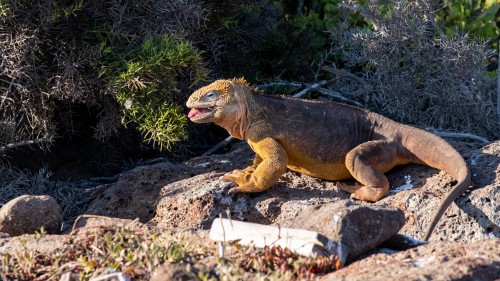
[135, 193]
[195, 202]
[94, 221]
[440, 260]
[29, 213]
[303, 242]
[47, 244]
[358, 227]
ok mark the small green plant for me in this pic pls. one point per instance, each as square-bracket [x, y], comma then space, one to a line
[65, 12]
[3, 9]
[135, 253]
[147, 86]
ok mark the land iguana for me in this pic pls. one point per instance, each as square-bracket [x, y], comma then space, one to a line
[326, 140]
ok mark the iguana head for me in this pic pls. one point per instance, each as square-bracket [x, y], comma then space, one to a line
[224, 102]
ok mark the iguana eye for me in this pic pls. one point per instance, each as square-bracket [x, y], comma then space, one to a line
[211, 95]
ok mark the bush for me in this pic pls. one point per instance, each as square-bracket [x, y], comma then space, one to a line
[416, 73]
[259, 42]
[59, 53]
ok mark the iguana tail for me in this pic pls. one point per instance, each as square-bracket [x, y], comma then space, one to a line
[435, 152]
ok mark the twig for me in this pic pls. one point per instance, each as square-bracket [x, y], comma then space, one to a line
[217, 146]
[337, 95]
[341, 72]
[354, 6]
[22, 143]
[300, 7]
[274, 84]
[312, 87]
[461, 135]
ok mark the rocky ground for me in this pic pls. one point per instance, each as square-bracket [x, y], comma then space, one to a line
[464, 245]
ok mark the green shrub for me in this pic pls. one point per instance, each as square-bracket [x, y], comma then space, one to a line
[147, 85]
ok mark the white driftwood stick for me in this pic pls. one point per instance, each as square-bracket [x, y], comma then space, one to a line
[302, 242]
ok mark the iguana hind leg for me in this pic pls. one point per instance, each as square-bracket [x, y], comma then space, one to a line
[367, 163]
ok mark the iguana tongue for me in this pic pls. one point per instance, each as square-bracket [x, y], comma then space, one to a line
[197, 111]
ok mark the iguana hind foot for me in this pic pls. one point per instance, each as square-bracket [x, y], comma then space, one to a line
[367, 163]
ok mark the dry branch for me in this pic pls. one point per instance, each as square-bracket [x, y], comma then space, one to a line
[354, 6]
[313, 87]
[337, 95]
[462, 136]
[41, 141]
[218, 146]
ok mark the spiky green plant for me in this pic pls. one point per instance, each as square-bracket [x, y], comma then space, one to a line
[148, 84]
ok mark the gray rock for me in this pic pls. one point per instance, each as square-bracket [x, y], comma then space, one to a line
[135, 193]
[28, 213]
[94, 221]
[358, 227]
[47, 244]
[175, 272]
[440, 260]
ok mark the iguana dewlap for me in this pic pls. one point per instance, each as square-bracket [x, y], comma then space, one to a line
[327, 140]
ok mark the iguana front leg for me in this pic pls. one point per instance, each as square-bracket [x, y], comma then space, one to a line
[269, 164]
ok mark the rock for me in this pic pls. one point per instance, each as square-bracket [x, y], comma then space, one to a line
[195, 202]
[46, 244]
[191, 195]
[175, 272]
[28, 213]
[440, 260]
[358, 227]
[135, 193]
[93, 221]
[400, 242]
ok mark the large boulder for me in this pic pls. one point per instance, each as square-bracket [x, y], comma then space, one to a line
[135, 193]
[358, 227]
[29, 213]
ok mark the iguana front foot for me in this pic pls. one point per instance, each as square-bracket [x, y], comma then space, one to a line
[243, 178]
[239, 177]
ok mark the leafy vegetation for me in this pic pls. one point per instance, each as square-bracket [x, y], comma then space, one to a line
[147, 86]
[137, 253]
[477, 18]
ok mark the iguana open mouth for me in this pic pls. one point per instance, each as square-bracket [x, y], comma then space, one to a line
[198, 112]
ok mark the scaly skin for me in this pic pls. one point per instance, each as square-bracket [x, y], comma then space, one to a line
[326, 140]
